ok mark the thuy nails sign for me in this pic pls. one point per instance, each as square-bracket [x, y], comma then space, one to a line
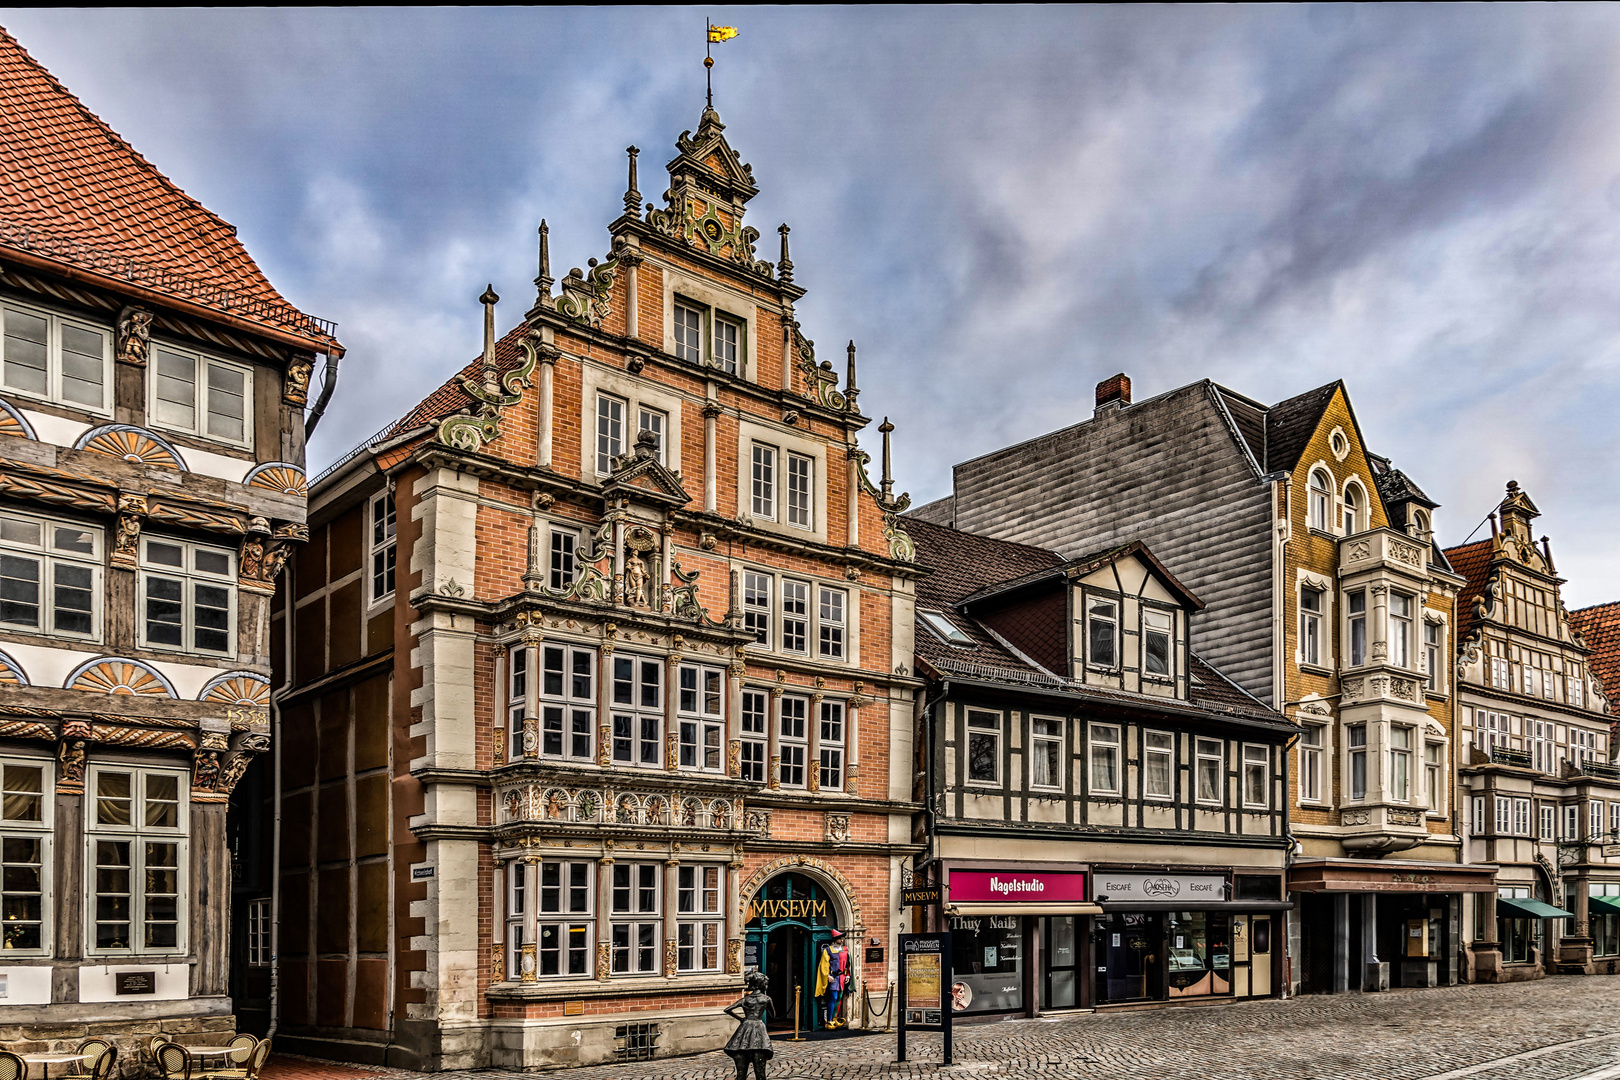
[1016, 887]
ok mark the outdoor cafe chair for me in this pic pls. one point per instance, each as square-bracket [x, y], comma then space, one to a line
[260, 1053]
[97, 1060]
[240, 1059]
[174, 1061]
[12, 1067]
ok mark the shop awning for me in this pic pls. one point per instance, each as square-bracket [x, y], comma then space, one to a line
[1521, 908]
[1023, 909]
[1602, 905]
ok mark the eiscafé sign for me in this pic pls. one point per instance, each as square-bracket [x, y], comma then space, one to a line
[1134, 887]
[1015, 887]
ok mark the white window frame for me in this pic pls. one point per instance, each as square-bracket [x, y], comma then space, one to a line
[1575, 691]
[636, 725]
[1158, 747]
[258, 932]
[1046, 745]
[635, 918]
[1434, 776]
[700, 921]
[30, 831]
[1479, 821]
[53, 359]
[689, 319]
[1310, 763]
[982, 727]
[1400, 763]
[1166, 629]
[1256, 769]
[700, 712]
[202, 393]
[610, 439]
[758, 589]
[793, 632]
[1310, 625]
[1594, 818]
[1201, 755]
[566, 915]
[1319, 500]
[1549, 823]
[138, 837]
[383, 550]
[1504, 816]
[1354, 498]
[1098, 618]
[1434, 655]
[517, 893]
[190, 578]
[793, 741]
[657, 422]
[1103, 764]
[562, 556]
[47, 558]
[1356, 758]
[755, 725]
[1355, 625]
[565, 700]
[1400, 628]
[1521, 817]
[832, 732]
[1501, 675]
[1572, 821]
[763, 479]
[1614, 821]
[738, 343]
[832, 623]
[800, 490]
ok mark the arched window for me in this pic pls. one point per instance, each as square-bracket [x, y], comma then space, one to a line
[1321, 487]
[1352, 509]
[1421, 521]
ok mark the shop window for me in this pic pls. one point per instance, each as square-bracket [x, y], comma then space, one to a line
[1520, 938]
[1209, 770]
[187, 596]
[1310, 763]
[987, 963]
[638, 711]
[1102, 628]
[700, 926]
[1199, 954]
[793, 741]
[1158, 765]
[47, 356]
[1603, 916]
[755, 734]
[566, 918]
[567, 702]
[136, 841]
[1355, 737]
[1257, 887]
[636, 929]
[50, 577]
[983, 747]
[1104, 759]
[701, 717]
[1046, 754]
[830, 745]
[1256, 776]
[26, 804]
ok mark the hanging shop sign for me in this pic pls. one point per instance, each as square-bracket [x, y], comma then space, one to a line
[1184, 888]
[1016, 887]
[919, 896]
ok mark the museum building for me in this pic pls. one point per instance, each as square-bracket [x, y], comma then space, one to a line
[1105, 813]
[601, 681]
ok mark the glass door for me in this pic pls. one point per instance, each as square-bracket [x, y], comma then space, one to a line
[1061, 961]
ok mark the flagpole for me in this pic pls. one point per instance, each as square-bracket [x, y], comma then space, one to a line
[708, 58]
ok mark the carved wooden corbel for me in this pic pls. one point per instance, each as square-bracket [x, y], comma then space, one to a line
[296, 389]
[127, 536]
[134, 336]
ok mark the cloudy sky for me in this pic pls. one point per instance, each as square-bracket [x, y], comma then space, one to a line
[1001, 205]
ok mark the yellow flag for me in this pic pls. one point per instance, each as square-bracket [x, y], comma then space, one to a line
[722, 33]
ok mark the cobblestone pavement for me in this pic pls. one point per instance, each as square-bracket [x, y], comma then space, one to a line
[1556, 1029]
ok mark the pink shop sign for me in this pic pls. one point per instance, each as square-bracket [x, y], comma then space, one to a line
[1015, 887]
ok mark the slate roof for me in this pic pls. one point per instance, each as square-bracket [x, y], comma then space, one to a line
[72, 190]
[962, 564]
[1290, 425]
[1599, 627]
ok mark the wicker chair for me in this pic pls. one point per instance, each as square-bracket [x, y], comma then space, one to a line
[12, 1067]
[174, 1061]
[98, 1059]
[151, 1049]
[239, 1061]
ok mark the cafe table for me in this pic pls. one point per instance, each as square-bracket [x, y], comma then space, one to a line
[45, 1061]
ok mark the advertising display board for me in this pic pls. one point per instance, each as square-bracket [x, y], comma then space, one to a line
[925, 979]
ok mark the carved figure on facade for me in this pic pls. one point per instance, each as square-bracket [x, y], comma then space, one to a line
[134, 337]
[205, 771]
[127, 536]
[296, 390]
[70, 762]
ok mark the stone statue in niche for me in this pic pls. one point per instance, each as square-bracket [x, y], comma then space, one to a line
[134, 335]
[635, 580]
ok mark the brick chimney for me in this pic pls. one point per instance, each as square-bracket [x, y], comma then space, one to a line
[1113, 393]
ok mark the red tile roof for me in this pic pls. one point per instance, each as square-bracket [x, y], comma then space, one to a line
[73, 191]
[1472, 561]
[1599, 627]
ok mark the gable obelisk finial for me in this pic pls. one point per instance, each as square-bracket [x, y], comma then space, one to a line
[489, 300]
[784, 265]
[543, 283]
[632, 197]
[888, 477]
[851, 391]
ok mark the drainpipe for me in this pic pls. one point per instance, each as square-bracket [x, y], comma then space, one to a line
[275, 826]
[329, 378]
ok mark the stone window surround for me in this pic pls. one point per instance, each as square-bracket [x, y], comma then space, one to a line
[634, 391]
[852, 620]
[738, 306]
[785, 441]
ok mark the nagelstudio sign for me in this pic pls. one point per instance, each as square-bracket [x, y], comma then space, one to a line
[1200, 888]
[1016, 887]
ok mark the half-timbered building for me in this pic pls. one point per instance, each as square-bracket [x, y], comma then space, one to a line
[152, 395]
[1106, 814]
[602, 674]
[1539, 778]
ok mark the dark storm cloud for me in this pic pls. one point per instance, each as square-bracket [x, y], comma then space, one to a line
[1002, 205]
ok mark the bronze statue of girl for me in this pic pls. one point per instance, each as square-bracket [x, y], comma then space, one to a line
[751, 1042]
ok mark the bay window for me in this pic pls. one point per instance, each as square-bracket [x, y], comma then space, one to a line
[136, 840]
[700, 924]
[701, 717]
[567, 701]
[1356, 609]
[1400, 630]
[27, 802]
[517, 900]
[638, 711]
[50, 577]
[566, 917]
[187, 596]
[200, 395]
[636, 927]
[1355, 737]
[793, 742]
[517, 700]
[755, 734]
[1400, 764]
[48, 356]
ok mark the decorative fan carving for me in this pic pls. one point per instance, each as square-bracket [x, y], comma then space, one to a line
[131, 443]
[120, 676]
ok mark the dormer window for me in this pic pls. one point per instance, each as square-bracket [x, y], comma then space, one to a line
[945, 629]
[1420, 522]
[1102, 626]
[1321, 493]
[1156, 627]
[1352, 509]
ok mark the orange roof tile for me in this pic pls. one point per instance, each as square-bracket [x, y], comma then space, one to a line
[1472, 561]
[1599, 627]
[73, 191]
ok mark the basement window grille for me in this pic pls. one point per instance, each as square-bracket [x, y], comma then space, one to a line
[636, 1042]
